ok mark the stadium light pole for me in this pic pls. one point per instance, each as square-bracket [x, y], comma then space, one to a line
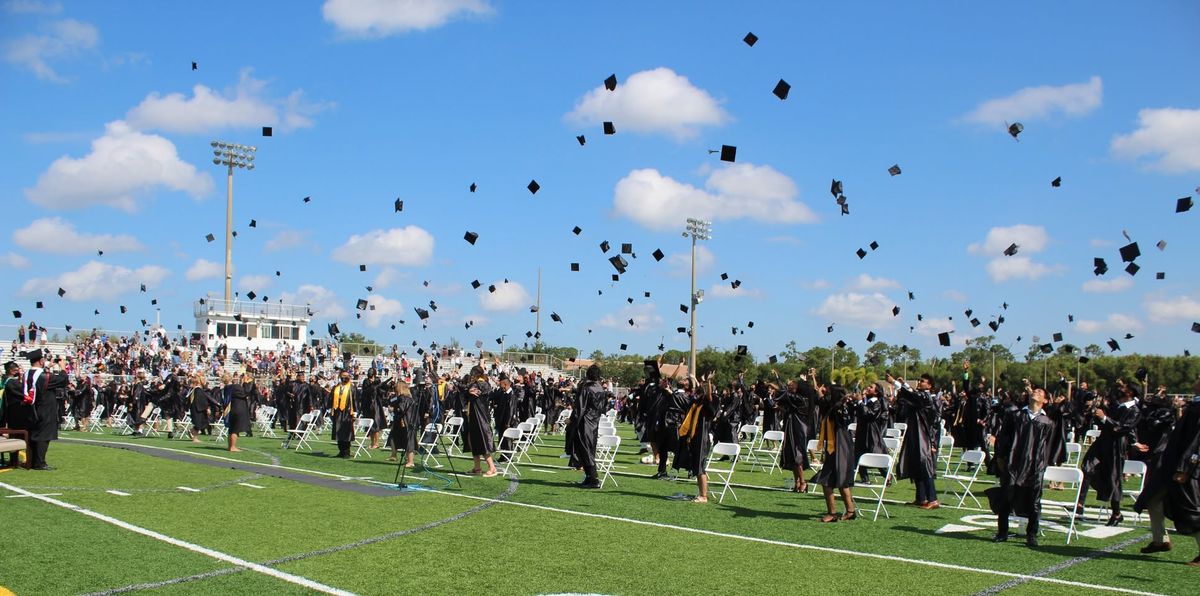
[231, 155]
[698, 230]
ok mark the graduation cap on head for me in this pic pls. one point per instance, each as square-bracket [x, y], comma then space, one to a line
[554, 317]
[471, 237]
[533, 187]
[267, 131]
[1015, 129]
[611, 82]
[1099, 266]
[894, 170]
[609, 129]
[619, 263]
[870, 336]
[728, 153]
[582, 141]
[944, 338]
[1183, 205]
[1132, 268]
[209, 237]
[1130, 251]
[750, 39]
[782, 88]
[1113, 345]
[861, 253]
[576, 230]
[422, 313]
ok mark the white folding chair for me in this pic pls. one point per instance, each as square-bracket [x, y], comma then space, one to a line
[723, 475]
[510, 451]
[96, 419]
[748, 435]
[973, 459]
[606, 453]
[526, 441]
[946, 450]
[362, 436]
[67, 422]
[561, 422]
[120, 421]
[607, 431]
[265, 420]
[815, 456]
[1132, 468]
[768, 449]
[892, 433]
[1074, 452]
[152, 422]
[1090, 436]
[1065, 475]
[427, 442]
[450, 433]
[893, 447]
[882, 463]
[539, 420]
[183, 426]
[304, 430]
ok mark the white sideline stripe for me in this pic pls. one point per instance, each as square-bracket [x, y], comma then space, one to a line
[28, 496]
[117, 492]
[541, 470]
[209, 455]
[220, 556]
[251, 485]
[188, 489]
[826, 549]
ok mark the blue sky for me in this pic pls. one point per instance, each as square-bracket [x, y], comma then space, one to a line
[108, 130]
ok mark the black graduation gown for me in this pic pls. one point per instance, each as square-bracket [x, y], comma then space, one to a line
[198, 406]
[1154, 425]
[795, 409]
[1023, 448]
[648, 410]
[406, 423]
[425, 403]
[836, 445]
[919, 410]
[872, 420]
[965, 428]
[1104, 462]
[728, 419]
[343, 419]
[504, 409]
[671, 406]
[1181, 503]
[239, 407]
[282, 394]
[41, 417]
[370, 404]
[693, 449]
[1058, 415]
[477, 434]
[588, 405]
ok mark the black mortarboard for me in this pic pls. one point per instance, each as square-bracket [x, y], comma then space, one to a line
[735, 284]
[631, 322]
[894, 170]
[61, 292]
[554, 317]
[1113, 345]
[874, 245]
[626, 248]
[361, 305]
[1183, 204]
[1128, 336]
[1011, 250]
[974, 322]
[743, 350]
[582, 141]
[100, 253]
[773, 359]
[471, 237]
[870, 336]
[609, 129]
[750, 324]
[143, 288]
[123, 309]
[728, 153]
[845, 208]
[475, 284]
[624, 347]
[611, 82]
[422, 313]
[473, 187]
[1057, 182]
[841, 344]
[251, 295]
[619, 263]
[574, 266]
[492, 289]
[920, 317]
[267, 131]
[750, 39]
[683, 308]
[910, 296]
[1160, 275]
[829, 329]
[1195, 327]
[254, 223]
[1100, 267]
[629, 300]
[835, 188]
[616, 277]
[994, 325]
[1161, 244]
[658, 254]
[1084, 359]
[576, 230]
[307, 199]
[1132, 268]
[333, 329]
[604, 246]
[944, 338]
[533, 187]
[1130, 251]
[1057, 337]
[895, 311]
[968, 312]
[362, 267]
[209, 237]
[16, 314]
[681, 329]
[861, 253]
[781, 89]
[399, 205]
[234, 233]
[1015, 129]
[194, 65]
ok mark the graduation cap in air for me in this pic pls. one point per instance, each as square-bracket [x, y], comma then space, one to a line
[835, 188]
[1099, 266]
[911, 296]
[658, 254]
[994, 325]
[209, 237]
[471, 237]
[870, 336]
[728, 153]
[683, 308]
[1183, 205]
[782, 88]
[361, 305]
[576, 230]
[574, 266]
[1057, 337]
[1057, 182]
[974, 322]
[861, 253]
[894, 170]
[1195, 327]
[1132, 268]
[472, 187]
[616, 277]
[750, 39]
[895, 311]
[611, 82]
[267, 131]
[1160, 275]
[100, 253]
[194, 65]
[1015, 129]
[492, 289]
[609, 129]
[475, 284]
[626, 248]
[735, 284]
[1128, 336]
[1130, 252]
[874, 245]
[554, 317]
[38, 304]
[399, 205]
[944, 338]
[681, 330]
[624, 347]
[841, 344]
[582, 141]
[829, 329]
[1113, 345]
[251, 295]
[619, 263]
[1161, 244]
[533, 187]
[743, 350]
[333, 329]
[307, 199]
[124, 310]
[773, 359]
[1011, 250]
[370, 289]
[61, 292]
[604, 246]
[362, 267]
[422, 313]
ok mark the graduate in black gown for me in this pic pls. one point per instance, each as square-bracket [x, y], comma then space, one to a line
[503, 400]
[918, 454]
[1172, 489]
[242, 394]
[37, 404]
[589, 404]
[672, 406]
[1022, 453]
[871, 419]
[477, 434]
[371, 405]
[406, 423]
[1157, 417]
[694, 443]
[795, 403]
[837, 448]
[1104, 463]
[729, 415]
[342, 413]
[967, 427]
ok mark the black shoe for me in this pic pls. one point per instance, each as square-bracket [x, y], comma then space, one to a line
[642, 451]
[1115, 520]
[591, 484]
[1031, 541]
[44, 468]
[999, 537]
[169, 435]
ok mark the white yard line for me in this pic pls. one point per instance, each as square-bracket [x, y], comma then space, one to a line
[208, 552]
[250, 485]
[188, 489]
[117, 492]
[29, 496]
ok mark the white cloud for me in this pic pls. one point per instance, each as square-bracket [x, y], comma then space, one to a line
[388, 277]
[1170, 310]
[816, 284]
[323, 301]
[1036, 103]
[508, 297]
[931, 326]
[204, 269]
[680, 264]
[739, 191]
[96, 281]
[246, 106]
[867, 283]
[123, 166]
[724, 290]
[1099, 243]
[440, 289]
[1102, 286]
[385, 308]
[651, 101]
[863, 310]
[286, 239]
[54, 235]
[60, 39]
[253, 283]
[32, 7]
[1115, 322]
[645, 318]
[380, 18]
[13, 260]
[1029, 239]
[410, 246]
[954, 295]
[1170, 136]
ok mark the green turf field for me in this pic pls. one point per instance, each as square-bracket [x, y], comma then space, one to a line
[537, 534]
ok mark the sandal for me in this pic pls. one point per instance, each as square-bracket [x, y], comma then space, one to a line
[700, 500]
[850, 515]
[802, 487]
[490, 474]
[830, 518]
[392, 458]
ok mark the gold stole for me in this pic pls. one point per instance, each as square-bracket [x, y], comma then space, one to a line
[828, 436]
[341, 397]
[688, 428]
